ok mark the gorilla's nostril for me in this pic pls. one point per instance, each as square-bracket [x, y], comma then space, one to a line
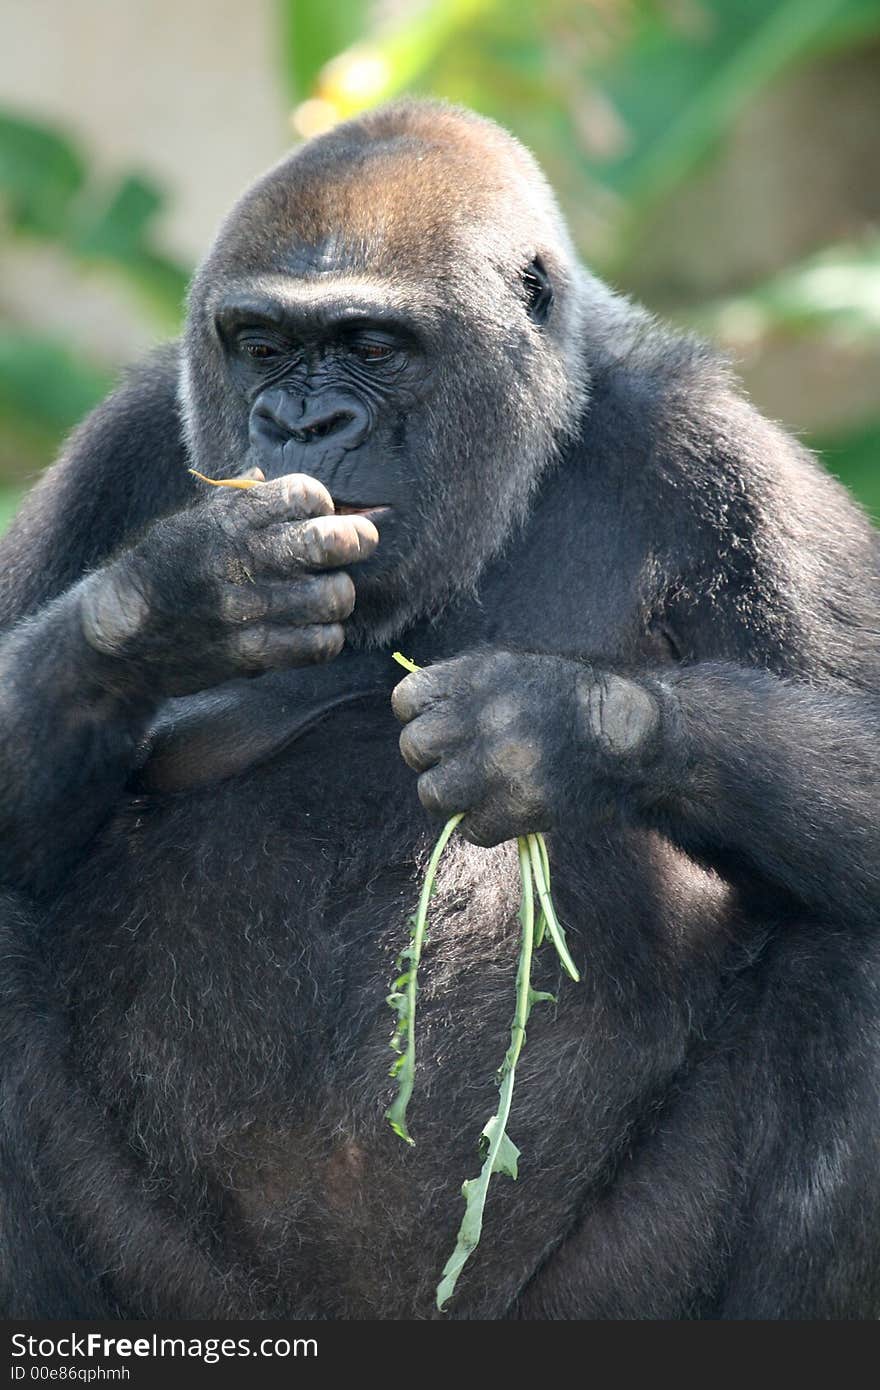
[330, 424]
[280, 416]
[335, 422]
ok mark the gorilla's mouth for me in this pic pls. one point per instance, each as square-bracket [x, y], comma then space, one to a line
[359, 508]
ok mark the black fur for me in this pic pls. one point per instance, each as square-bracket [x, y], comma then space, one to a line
[602, 547]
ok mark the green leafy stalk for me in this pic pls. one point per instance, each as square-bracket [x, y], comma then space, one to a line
[500, 1154]
[540, 868]
[402, 998]
[541, 923]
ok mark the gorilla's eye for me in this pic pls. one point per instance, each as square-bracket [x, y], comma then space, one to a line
[373, 352]
[538, 291]
[260, 351]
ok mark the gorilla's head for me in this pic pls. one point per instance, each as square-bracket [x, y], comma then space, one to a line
[394, 309]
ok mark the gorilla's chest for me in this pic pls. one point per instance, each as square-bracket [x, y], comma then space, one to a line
[227, 994]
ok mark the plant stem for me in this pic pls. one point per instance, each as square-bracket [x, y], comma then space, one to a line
[405, 1067]
[540, 864]
[502, 1154]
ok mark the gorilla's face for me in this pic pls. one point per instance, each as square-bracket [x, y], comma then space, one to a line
[414, 360]
[331, 383]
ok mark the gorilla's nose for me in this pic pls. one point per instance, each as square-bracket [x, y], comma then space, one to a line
[342, 421]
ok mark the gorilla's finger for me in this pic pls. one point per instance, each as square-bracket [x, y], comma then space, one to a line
[295, 497]
[447, 789]
[323, 543]
[309, 598]
[264, 648]
[482, 828]
[416, 693]
[425, 740]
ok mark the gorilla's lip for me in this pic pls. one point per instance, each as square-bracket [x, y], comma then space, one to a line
[359, 508]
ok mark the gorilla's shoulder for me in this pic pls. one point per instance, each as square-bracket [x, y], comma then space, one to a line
[653, 368]
[121, 468]
[652, 388]
[146, 397]
[667, 410]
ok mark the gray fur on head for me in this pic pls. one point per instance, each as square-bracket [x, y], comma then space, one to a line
[439, 211]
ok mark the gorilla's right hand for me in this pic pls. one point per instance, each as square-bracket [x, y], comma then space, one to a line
[243, 582]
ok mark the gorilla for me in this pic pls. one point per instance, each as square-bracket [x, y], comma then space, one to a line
[648, 627]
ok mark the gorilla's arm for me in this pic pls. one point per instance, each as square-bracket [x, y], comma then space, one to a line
[122, 468]
[761, 775]
[757, 749]
[65, 741]
[754, 774]
[230, 586]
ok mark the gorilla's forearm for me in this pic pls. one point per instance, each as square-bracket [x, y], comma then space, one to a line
[125, 466]
[223, 589]
[70, 721]
[773, 783]
[762, 775]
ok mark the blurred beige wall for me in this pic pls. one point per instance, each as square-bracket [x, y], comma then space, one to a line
[182, 88]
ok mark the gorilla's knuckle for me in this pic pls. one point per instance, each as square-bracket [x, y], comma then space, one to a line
[324, 641]
[252, 646]
[501, 715]
[401, 704]
[337, 540]
[315, 540]
[114, 610]
[433, 795]
[619, 713]
[298, 494]
[408, 744]
[515, 759]
[336, 597]
[412, 695]
[420, 745]
[479, 830]
[223, 521]
[239, 604]
[494, 668]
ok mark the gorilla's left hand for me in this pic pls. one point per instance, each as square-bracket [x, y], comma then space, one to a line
[519, 741]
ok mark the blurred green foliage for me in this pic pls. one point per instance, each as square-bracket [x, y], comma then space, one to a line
[48, 192]
[622, 100]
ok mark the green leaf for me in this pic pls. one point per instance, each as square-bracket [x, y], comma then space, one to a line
[118, 229]
[676, 88]
[507, 1154]
[40, 173]
[541, 996]
[396, 1112]
[469, 1233]
[495, 1147]
[837, 290]
[499, 1153]
[43, 382]
[404, 1002]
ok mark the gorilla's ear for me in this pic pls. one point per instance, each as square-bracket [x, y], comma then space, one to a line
[538, 291]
